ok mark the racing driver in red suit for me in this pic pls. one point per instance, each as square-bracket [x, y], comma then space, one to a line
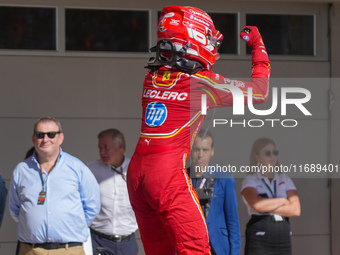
[166, 206]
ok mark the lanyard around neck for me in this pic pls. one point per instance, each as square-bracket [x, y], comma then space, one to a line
[270, 190]
[119, 172]
[43, 180]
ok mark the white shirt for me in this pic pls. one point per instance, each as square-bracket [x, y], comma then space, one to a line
[278, 187]
[88, 245]
[116, 216]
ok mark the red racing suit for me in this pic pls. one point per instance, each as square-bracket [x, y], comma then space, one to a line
[166, 206]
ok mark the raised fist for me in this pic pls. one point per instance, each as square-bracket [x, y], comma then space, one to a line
[252, 36]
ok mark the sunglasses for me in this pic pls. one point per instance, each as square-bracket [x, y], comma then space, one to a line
[41, 135]
[269, 153]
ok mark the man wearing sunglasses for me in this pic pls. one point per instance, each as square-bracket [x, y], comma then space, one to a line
[115, 226]
[54, 197]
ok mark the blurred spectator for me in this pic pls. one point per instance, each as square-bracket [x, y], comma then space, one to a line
[217, 197]
[271, 199]
[200, 178]
[115, 226]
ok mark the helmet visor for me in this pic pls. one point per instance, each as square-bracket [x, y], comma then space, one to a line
[216, 39]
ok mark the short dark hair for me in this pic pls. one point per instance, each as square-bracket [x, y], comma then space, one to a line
[206, 133]
[115, 134]
[48, 119]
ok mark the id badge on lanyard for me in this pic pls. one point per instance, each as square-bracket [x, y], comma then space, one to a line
[42, 197]
[42, 193]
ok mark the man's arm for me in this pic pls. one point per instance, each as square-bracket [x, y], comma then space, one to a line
[14, 200]
[231, 215]
[90, 195]
[223, 92]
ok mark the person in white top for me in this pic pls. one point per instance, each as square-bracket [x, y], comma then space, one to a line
[271, 199]
[115, 226]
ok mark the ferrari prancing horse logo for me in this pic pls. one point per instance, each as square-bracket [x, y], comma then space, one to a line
[166, 76]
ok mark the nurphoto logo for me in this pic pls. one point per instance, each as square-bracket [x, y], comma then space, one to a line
[239, 106]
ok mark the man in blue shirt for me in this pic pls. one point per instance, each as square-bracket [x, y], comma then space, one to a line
[53, 196]
[217, 198]
[3, 196]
